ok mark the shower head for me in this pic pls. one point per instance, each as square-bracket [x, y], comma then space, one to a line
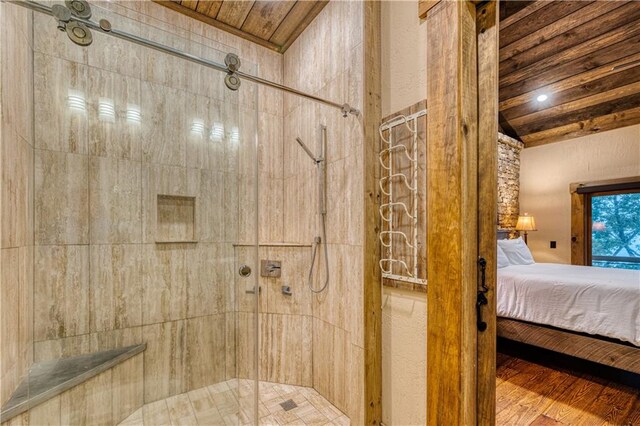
[307, 150]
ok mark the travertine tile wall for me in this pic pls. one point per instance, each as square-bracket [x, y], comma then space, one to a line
[285, 321]
[101, 280]
[16, 197]
[328, 60]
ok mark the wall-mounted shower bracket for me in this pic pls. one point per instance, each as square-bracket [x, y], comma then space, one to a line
[348, 109]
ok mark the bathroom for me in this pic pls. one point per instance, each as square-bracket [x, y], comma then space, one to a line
[166, 230]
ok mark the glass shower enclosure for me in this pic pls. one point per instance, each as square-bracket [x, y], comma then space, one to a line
[144, 209]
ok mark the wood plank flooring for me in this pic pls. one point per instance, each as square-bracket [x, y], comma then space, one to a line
[535, 395]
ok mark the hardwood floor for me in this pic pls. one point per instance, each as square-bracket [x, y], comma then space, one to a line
[535, 395]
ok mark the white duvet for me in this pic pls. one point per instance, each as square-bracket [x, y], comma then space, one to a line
[601, 301]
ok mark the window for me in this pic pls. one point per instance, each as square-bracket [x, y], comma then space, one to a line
[613, 233]
[605, 223]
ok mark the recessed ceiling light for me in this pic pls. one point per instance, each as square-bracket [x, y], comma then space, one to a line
[542, 98]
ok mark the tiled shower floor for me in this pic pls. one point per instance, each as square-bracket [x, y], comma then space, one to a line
[223, 404]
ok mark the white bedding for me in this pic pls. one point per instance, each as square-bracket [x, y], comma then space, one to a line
[601, 301]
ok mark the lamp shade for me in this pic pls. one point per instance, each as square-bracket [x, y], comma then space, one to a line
[526, 223]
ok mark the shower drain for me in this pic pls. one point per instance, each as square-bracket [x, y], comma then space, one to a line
[288, 405]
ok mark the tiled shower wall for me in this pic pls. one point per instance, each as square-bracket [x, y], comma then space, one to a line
[102, 280]
[327, 60]
[16, 198]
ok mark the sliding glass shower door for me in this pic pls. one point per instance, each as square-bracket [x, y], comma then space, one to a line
[144, 208]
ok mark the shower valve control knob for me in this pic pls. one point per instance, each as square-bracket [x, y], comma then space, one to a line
[244, 271]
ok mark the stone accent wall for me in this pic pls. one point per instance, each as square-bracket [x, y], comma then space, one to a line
[508, 181]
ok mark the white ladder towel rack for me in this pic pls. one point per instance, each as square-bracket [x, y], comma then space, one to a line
[408, 267]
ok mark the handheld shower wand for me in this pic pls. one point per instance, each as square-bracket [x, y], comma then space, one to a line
[321, 164]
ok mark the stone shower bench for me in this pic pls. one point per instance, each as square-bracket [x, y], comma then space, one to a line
[48, 379]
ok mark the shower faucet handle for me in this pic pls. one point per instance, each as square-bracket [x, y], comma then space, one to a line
[271, 268]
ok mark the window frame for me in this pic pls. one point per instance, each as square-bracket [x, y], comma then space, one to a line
[581, 214]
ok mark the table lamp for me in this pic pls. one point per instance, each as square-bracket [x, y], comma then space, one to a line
[526, 223]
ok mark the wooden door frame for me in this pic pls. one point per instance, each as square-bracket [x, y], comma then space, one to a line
[462, 132]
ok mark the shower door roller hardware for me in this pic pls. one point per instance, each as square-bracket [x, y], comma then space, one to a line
[79, 8]
[244, 271]
[79, 33]
[105, 25]
[232, 62]
[62, 15]
[482, 298]
[270, 268]
[232, 81]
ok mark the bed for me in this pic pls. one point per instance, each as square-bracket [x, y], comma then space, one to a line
[597, 301]
[588, 312]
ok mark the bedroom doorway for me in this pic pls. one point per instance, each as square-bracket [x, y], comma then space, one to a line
[568, 348]
[467, 372]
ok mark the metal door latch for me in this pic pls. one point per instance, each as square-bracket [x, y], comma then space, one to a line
[482, 298]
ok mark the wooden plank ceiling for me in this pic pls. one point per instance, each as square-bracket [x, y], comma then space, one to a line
[273, 24]
[584, 56]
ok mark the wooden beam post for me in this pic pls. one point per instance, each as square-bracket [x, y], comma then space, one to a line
[578, 254]
[462, 135]
[452, 135]
[488, 18]
[372, 296]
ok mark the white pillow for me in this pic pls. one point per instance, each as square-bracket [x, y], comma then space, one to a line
[517, 251]
[503, 260]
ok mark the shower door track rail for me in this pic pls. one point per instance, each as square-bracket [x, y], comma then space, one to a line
[345, 108]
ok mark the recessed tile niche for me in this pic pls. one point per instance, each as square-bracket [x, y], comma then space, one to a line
[176, 219]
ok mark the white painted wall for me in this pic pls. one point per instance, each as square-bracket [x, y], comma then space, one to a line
[404, 56]
[404, 314]
[547, 171]
[404, 353]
